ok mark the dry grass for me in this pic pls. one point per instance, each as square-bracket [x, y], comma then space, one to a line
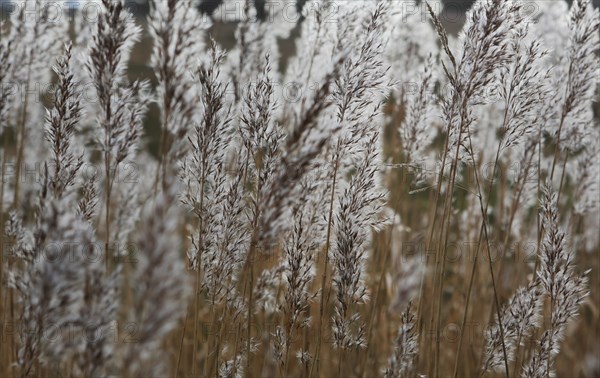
[389, 200]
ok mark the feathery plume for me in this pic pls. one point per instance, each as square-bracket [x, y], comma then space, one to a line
[565, 288]
[406, 346]
[176, 29]
[161, 287]
[62, 120]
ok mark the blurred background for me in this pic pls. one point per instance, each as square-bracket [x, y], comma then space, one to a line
[208, 6]
[451, 15]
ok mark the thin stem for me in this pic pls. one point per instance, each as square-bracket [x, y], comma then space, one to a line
[196, 300]
[551, 333]
[379, 285]
[430, 239]
[558, 135]
[323, 303]
[491, 265]
[161, 157]
[288, 342]
[445, 221]
[340, 359]
[441, 263]
[2, 290]
[250, 303]
[517, 357]
[21, 135]
[107, 212]
[474, 267]
[162, 163]
[187, 313]
[540, 226]
[250, 265]
[562, 178]
[198, 267]
[376, 302]
[219, 337]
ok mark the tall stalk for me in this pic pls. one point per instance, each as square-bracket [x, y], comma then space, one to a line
[22, 129]
[433, 219]
[324, 292]
[441, 262]
[491, 265]
[482, 230]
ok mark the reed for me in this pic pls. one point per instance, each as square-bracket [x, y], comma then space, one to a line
[389, 199]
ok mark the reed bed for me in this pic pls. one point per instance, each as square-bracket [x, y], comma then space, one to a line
[390, 199]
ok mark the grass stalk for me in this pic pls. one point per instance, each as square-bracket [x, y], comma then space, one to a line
[324, 296]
